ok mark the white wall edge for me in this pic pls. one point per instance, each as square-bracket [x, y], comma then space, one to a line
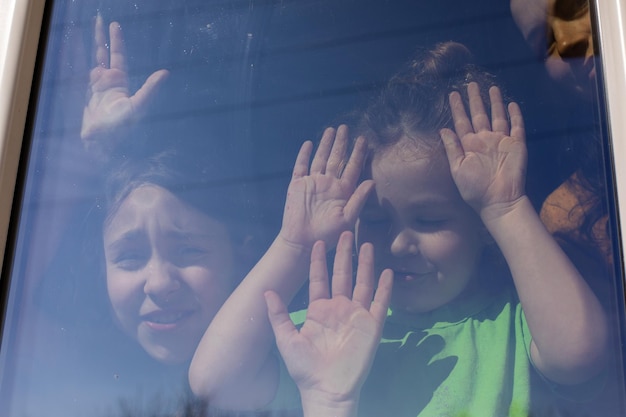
[20, 25]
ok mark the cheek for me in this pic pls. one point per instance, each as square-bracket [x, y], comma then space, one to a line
[441, 248]
[210, 284]
[453, 250]
[124, 290]
[125, 297]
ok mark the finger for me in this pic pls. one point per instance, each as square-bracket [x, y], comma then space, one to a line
[100, 43]
[517, 122]
[499, 120]
[364, 286]
[357, 200]
[453, 146]
[301, 167]
[480, 119]
[318, 166]
[144, 95]
[318, 273]
[94, 76]
[462, 124]
[352, 172]
[338, 152]
[342, 269]
[279, 319]
[118, 53]
[382, 297]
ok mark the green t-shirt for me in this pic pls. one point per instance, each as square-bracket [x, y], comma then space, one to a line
[466, 359]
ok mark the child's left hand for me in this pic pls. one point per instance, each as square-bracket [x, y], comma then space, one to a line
[487, 159]
[330, 357]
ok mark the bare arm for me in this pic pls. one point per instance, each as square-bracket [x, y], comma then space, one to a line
[234, 366]
[488, 164]
[330, 356]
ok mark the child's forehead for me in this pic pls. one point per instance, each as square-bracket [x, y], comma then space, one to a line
[413, 176]
[154, 203]
[411, 148]
[409, 152]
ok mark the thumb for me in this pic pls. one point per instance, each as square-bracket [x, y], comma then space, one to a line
[146, 93]
[454, 148]
[279, 319]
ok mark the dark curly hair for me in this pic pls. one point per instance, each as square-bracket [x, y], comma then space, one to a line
[415, 100]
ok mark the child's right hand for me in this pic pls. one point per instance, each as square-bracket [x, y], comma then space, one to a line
[110, 107]
[324, 200]
[487, 155]
[330, 357]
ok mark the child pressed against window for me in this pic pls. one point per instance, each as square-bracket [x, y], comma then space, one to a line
[463, 337]
[168, 237]
[435, 212]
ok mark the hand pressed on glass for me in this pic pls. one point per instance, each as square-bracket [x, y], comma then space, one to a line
[488, 165]
[330, 356]
[110, 105]
[487, 159]
[323, 198]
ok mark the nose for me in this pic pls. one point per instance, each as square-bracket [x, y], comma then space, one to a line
[405, 242]
[161, 279]
[570, 40]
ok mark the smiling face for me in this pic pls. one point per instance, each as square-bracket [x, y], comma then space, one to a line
[168, 271]
[560, 31]
[421, 228]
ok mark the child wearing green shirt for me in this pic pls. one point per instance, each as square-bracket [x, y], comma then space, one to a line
[445, 191]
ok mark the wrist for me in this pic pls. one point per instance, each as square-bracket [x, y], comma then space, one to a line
[513, 221]
[283, 240]
[317, 404]
[497, 212]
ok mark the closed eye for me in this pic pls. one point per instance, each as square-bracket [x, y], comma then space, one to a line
[190, 254]
[130, 260]
[430, 224]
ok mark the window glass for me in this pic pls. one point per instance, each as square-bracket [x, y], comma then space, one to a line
[188, 158]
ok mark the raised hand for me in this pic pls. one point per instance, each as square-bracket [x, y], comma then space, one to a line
[324, 200]
[110, 106]
[487, 158]
[330, 357]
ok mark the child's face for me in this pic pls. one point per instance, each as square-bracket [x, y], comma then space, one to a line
[420, 227]
[168, 269]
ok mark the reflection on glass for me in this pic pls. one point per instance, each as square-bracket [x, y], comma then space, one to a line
[147, 204]
[576, 212]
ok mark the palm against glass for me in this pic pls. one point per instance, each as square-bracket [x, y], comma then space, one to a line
[324, 201]
[330, 356]
[110, 106]
[487, 159]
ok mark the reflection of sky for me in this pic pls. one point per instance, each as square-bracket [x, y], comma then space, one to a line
[261, 79]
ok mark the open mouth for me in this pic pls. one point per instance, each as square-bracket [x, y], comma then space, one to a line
[165, 320]
[409, 276]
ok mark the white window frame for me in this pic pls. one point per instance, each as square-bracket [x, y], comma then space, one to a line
[20, 25]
